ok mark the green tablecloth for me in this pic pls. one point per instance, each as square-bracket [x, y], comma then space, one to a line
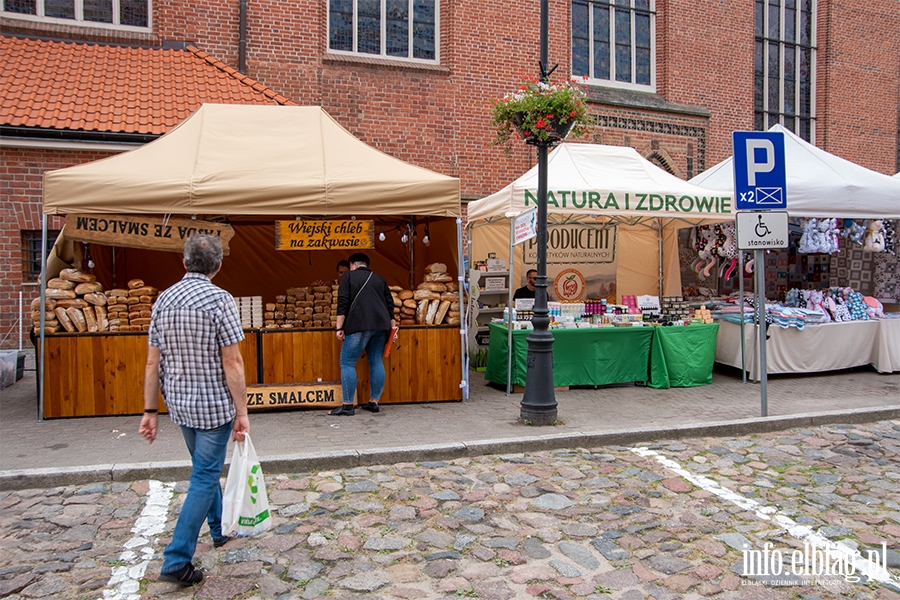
[659, 356]
[684, 354]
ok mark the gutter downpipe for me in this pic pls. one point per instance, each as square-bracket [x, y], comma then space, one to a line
[39, 351]
[242, 39]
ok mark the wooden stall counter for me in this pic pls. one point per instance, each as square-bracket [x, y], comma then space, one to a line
[424, 364]
[102, 374]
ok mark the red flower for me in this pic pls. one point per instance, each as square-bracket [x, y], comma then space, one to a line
[572, 115]
[540, 123]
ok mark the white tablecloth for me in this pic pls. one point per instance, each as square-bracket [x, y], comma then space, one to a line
[826, 347]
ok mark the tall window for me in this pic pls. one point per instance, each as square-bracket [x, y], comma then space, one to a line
[403, 29]
[127, 13]
[613, 42]
[785, 66]
[31, 254]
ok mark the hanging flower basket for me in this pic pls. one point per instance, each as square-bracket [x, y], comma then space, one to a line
[546, 130]
[542, 113]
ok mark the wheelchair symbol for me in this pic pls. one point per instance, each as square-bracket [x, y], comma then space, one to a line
[761, 229]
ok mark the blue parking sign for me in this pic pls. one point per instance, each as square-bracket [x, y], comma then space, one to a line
[760, 181]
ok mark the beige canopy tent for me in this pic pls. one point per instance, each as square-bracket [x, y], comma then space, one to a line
[255, 160]
[233, 160]
[607, 186]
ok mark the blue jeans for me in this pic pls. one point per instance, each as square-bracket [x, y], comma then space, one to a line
[204, 498]
[373, 343]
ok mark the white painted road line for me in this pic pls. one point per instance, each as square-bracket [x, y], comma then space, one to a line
[836, 551]
[125, 580]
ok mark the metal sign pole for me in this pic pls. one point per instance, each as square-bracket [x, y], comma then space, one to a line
[759, 256]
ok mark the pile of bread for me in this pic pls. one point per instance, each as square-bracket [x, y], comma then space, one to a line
[76, 303]
[435, 301]
[313, 306]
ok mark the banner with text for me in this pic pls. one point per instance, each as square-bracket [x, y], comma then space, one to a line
[132, 231]
[293, 395]
[324, 235]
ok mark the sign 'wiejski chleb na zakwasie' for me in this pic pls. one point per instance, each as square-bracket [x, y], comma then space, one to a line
[593, 200]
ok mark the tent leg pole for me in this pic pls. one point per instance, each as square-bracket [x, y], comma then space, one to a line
[39, 351]
[509, 310]
[463, 334]
[659, 237]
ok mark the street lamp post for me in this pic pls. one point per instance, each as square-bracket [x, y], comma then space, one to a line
[538, 405]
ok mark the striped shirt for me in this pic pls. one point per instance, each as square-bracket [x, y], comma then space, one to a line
[192, 321]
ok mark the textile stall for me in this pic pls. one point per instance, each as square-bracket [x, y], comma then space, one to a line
[828, 188]
[243, 168]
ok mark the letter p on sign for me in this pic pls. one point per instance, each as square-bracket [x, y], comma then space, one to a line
[760, 181]
[753, 167]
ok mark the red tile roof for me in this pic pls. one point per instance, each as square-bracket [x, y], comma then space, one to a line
[100, 88]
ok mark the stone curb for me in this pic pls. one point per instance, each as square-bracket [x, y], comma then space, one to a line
[345, 459]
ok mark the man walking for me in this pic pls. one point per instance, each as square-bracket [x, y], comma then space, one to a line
[194, 360]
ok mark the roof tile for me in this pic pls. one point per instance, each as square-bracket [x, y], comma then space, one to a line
[95, 87]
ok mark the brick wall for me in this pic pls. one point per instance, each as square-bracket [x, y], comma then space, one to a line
[438, 116]
[21, 177]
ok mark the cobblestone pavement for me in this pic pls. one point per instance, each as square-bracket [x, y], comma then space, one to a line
[691, 518]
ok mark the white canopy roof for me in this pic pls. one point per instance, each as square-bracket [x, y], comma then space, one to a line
[820, 184]
[253, 160]
[606, 181]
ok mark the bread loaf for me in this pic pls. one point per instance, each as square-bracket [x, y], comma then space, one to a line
[432, 287]
[405, 294]
[442, 278]
[58, 283]
[426, 295]
[102, 320]
[88, 288]
[117, 293]
[60, 294]
[452, 286]
[398, 302]
[395, 288]
[76, 303]
[436, 268]
[141, 321]
[76, 276]
[77, 318]
[431, 312]
[410, 303]
[49, 304]
[144, 290]
[135, 283]
[318, 289]
[96, 299]
[452, 320]
[450, 296]
[441, 312]
[90, 319]
[421, 311]
[407, 321]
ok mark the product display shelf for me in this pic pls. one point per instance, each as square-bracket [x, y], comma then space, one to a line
[490, 299]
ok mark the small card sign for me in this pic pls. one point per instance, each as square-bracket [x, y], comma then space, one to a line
[324, 235]
[289, 396]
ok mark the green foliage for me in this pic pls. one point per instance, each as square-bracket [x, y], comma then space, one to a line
[602, 589]
[467, 593]
[535, 108]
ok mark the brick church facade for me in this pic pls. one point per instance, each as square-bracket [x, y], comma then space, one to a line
[415, 79]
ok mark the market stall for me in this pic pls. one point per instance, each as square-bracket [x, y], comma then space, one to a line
[821, 185]
[252, 170]
[660, 357]
[594, 188]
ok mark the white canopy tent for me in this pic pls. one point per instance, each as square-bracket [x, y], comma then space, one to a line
[609, 186]
[820, 184]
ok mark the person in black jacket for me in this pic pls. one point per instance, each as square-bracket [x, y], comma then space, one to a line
[365, 316]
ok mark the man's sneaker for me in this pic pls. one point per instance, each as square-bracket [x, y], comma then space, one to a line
[219, 542]
[185, 576]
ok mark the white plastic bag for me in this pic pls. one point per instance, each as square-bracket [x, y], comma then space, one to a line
[245, 505]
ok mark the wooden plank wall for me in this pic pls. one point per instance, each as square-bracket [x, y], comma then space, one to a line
[103, 374]
[424, 366]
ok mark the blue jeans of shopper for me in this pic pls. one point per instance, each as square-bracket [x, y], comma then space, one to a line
[373, 343]
[204, 498]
